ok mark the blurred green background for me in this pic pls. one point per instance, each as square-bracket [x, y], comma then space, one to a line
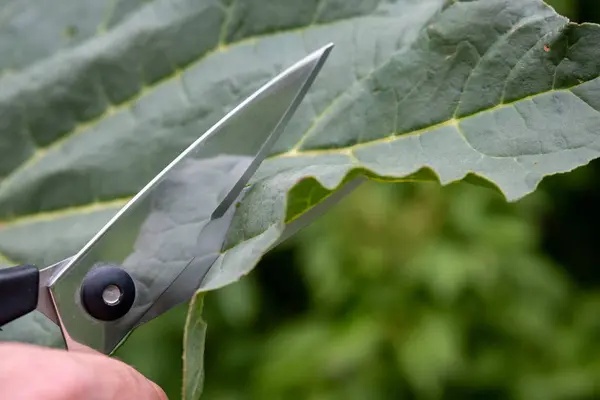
[412, 291]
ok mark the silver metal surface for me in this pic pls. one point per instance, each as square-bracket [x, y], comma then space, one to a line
[45, 303]
[170, 234]
[112, 295]
[186, 284]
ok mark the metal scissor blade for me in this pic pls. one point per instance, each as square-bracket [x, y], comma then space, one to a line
[173, 225]
[190, 280]
[184, 286]
[45, 303]
[187, 284]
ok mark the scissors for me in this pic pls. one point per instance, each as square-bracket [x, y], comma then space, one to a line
[159, 247]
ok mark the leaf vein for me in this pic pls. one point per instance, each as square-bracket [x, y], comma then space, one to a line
[500, 41]
[64, 212]
[83, 125]
[394, 135]
[229, 10]
[514, 68]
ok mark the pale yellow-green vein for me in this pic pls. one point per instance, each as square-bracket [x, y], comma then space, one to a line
[229, 10]
[297, 152]
[128, 103]
[108, 14]
[66, 212]
[348, 151]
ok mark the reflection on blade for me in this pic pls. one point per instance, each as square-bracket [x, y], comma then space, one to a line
[190, 279]
[170, 234]
[203, 238]
[45, 305]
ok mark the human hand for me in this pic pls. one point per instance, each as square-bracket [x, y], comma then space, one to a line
[30, 372]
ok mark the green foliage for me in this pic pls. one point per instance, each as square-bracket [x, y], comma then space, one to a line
[405, 291]
[412, 291]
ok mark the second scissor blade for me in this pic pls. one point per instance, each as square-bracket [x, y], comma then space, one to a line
[238, 144]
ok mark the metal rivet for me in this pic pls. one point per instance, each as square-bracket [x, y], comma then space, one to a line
[112, 295]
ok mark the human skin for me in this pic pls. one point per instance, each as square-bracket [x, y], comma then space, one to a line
[30, 372]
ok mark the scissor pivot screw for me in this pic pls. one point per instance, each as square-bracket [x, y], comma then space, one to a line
[112, 295]
[107, 293]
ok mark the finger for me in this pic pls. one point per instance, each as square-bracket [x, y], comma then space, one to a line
[31, 372]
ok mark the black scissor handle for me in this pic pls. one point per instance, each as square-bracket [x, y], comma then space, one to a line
[18, 292]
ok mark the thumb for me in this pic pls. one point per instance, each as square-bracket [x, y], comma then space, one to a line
[31, 372]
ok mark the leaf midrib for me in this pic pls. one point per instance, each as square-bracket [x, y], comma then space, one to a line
[454, 121]
[347, 151]
[296, 151]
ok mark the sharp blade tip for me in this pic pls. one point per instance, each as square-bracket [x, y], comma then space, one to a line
[328, 47]
[324, 51]
[318, 56]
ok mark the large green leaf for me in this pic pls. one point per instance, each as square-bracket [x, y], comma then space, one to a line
[500, 92]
